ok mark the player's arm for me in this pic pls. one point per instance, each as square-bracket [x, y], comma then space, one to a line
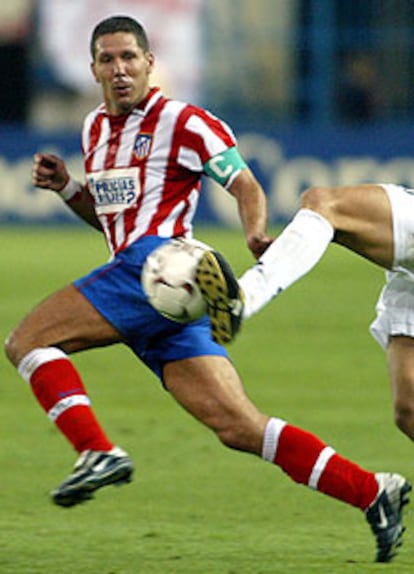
[49, 172]
[252, 205]
[230, 170]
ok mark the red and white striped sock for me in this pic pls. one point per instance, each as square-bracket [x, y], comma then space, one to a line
[307, 460]
[59, 390]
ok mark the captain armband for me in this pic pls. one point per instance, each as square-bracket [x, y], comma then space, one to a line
[70, 190]
[224, 167]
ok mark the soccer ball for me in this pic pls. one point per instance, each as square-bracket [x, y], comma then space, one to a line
[169, 279]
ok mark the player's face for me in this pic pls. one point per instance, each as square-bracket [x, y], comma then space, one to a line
[123, 69]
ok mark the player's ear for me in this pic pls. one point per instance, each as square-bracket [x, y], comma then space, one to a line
[93, 70]
[150, 61]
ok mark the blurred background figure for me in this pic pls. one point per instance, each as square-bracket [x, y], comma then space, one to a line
[15, 35]
[288, 76]
[267, 59]
[359, 92]
[251, 57]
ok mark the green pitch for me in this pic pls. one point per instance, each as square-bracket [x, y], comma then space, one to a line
[195, 507]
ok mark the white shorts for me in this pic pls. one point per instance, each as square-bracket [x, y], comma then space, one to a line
[395, 307]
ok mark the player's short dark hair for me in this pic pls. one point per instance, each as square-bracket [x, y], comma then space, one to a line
[119, 24]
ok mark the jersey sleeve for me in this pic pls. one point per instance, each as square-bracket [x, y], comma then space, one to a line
[202, 136]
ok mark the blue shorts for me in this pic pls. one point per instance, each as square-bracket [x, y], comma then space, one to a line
[115, 290]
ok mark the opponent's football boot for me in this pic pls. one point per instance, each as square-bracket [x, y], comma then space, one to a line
[222, 294]
[93, 469]
[385, 515]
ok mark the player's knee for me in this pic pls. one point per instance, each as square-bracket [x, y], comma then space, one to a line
[11, 349]
[319, 199]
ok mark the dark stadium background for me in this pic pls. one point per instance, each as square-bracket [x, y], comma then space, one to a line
[317, 91]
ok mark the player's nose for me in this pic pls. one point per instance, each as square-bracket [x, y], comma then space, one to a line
[119, 67]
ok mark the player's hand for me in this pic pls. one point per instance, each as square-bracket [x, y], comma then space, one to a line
[259, 244]
[49, 172]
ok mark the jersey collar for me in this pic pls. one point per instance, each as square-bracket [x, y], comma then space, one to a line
[146, 104]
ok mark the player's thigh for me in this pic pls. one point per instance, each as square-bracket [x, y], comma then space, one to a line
[364, 223]
[209, 388]
[65, 319]
[361, 216]
[400, 356]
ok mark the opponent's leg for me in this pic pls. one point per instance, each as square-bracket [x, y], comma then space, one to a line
[361, 216]
[66, 321]
[356, 217]
[293, 254]
[209, 388]
[400, 355]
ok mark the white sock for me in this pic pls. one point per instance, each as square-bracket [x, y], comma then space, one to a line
[295, 252]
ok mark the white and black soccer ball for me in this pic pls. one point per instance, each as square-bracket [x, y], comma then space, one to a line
[169, 279]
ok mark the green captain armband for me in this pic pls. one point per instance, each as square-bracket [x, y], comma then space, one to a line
[225, 166]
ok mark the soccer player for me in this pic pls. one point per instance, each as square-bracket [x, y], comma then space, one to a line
[144, 157]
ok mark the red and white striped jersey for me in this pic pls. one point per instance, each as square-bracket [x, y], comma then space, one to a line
[144, 168]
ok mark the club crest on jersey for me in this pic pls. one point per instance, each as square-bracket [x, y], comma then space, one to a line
[114, 190]
[142, 146]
